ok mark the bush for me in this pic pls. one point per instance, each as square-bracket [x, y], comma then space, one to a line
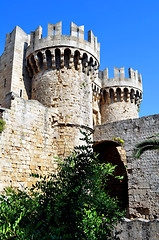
[71, 204]
[2, 124]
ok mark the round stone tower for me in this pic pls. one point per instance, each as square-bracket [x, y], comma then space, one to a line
[62, 69]
[121, 97]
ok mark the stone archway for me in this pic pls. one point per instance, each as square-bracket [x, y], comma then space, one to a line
[112, 152]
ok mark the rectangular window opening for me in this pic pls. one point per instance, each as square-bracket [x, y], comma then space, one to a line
[20, 92]
[54, 31]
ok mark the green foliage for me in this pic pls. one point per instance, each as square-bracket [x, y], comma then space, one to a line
[15, 214]
[151, 143]
[119, 140]
[71, 204]
[83, 85]
[2, 125]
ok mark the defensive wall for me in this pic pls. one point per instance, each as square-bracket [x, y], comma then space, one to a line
[143, 178]
[139, 229]
[50, 87]
[33, 137]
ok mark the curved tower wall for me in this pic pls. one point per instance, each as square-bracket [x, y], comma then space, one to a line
[62, 69]
[121, 97]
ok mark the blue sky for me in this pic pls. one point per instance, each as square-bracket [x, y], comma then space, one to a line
[127, 30]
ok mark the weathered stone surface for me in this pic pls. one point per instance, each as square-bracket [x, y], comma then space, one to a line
[143, 175]
[50, 88]
[139, 229]
[34, 135]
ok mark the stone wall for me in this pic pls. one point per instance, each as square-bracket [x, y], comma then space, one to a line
[118, 110]
[34, 135]
[139, 229]
[66, 90]
[61, 70]
[143, 178]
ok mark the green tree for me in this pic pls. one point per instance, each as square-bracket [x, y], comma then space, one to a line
[71, 204]
[151, 143]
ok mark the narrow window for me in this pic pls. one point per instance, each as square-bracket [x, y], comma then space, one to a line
[90, 62]
[5, 83]
[76, 59]
[58, 58]
[48, 59]
[125, 94]
[40, 59]
[20, 92]
[118, 93]
[105, 96]
[132, 95]
[67, 54]
[111, 93]
[84, 61]
[137, 97]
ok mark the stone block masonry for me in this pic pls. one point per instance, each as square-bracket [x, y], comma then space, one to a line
[143, 178]
[33, 137]
[139, 229]
[50, 88]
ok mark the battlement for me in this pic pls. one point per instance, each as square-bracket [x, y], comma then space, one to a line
[56, 39]
[119, 80]
[50, 88]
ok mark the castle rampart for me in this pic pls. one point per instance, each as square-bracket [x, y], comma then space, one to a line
[55, 38]
[50, 88]
[142, 173]
[62, 69]
[121, 97]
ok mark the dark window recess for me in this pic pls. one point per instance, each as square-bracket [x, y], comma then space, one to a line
[58, 58]
[67, 54]
[20, 92]
[48, 59]
[5, 81]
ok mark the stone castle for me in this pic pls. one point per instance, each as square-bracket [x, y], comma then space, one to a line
[50, 88]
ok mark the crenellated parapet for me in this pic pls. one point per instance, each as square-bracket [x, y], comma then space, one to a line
[60, 57]
[57, 51]
[120, 88]
[63, 70]
[120, 96]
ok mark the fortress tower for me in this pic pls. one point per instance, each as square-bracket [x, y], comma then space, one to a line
[120, 97]
[62, 69]
[50, 87]
[60, 72]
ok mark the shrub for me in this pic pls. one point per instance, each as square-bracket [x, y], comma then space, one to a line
[71, 204]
